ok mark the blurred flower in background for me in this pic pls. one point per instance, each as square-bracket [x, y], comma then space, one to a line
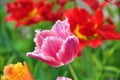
[16, 71]
[24, 12]
[91, 29]
[116, 2]
[62, 2]
[95, 4]
[27, 12]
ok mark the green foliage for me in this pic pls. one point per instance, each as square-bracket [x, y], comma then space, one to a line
[101, 63]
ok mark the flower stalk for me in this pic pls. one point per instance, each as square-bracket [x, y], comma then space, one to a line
[72, 72]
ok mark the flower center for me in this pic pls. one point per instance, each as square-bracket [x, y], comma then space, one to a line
[96, 26]
[78, 34]
[85, 37]
[32, 14]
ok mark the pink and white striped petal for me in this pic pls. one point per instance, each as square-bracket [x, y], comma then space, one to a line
[62, 28]
[47, 59]
[41, 35]
[56, 47]
[51, 46]
[69, 49]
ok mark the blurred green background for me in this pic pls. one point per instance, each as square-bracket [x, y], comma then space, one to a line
[102, 63]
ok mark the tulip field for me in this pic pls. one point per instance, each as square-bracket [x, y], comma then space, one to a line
[59, 39]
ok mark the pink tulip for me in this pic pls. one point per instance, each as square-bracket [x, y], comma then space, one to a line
[63, 78]
[57, 46]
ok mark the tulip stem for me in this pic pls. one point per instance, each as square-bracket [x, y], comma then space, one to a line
[72, 72]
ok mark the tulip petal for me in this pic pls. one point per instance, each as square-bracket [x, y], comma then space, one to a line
[95, 43]
[41, 35]
[62, 28]
[108, 33]
[98, 17]
[63, 78]
[69, 49]
[93, 4]
[47, 59]
[51, 46]
[57, 46]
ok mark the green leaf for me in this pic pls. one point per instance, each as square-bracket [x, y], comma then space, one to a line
[11, 59]
[112, 68]
[69, 5]
[97, 62]
[108, 53]
[42, 25]
[87, 62]
[2, 60]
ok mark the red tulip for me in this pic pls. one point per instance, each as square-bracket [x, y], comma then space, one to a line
[95, 4]
[28, 12]
[116, 2]
[90, 29]
[62, 2]
[24, 12]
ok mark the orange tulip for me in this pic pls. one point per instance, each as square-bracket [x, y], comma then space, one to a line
[16, 72]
